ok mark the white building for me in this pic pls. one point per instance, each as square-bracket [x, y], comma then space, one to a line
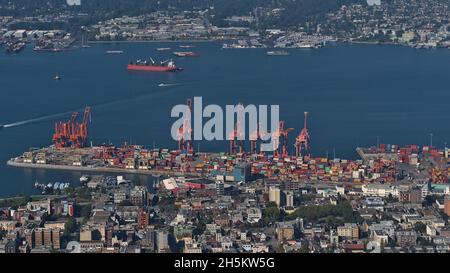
[380, 190]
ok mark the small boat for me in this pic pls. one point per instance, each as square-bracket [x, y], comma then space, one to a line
[114, 52]
[85, 178]
[163, 49]
[277, 53]
[306, 46]
[185, 54]
[56, 78]
[187, 46]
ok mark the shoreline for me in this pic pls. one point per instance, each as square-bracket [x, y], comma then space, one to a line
[97, 170]
[150, 41]
[350, 42]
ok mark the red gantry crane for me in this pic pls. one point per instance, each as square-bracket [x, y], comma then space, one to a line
[237, 136]
[302, 141]
[183, 143]
[71, 133]
[281, 137]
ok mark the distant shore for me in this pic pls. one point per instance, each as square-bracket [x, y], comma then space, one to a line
[151, 41]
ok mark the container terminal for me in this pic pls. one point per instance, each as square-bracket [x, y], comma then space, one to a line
[385, 163]
[233, 191]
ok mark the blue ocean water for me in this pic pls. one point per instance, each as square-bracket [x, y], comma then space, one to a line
[353, 93]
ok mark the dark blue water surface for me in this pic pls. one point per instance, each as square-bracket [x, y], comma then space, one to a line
[354, 93]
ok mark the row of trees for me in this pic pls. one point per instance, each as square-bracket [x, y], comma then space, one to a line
[331, 214]
[314, 213]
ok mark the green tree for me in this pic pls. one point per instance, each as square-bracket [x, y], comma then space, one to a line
[71, 226]
[420, 227]
[305, 247]
[85, 211]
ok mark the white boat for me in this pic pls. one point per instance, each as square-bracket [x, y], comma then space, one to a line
[277, 53]
[163, 49]
[114, 52]
[85, 178]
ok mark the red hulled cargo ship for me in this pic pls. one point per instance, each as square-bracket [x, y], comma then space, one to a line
[166, 66]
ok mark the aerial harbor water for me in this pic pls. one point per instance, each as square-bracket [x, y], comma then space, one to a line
[354, 94]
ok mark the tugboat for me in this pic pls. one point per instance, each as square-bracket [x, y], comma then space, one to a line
[166, 66]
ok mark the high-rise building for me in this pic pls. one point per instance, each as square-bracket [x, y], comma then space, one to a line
[220, 187]
[109, 235]
[38, 237]
[29, 237]
[143, 218]
[149, 240]
[56, 238]
[415, 196]
[138, 196]
[162, 241]
[289, 197]
[404, 195]
[47, 233]
[447, 205]
[274, 195]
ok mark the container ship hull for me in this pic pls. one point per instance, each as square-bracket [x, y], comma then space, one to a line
[152, 68]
